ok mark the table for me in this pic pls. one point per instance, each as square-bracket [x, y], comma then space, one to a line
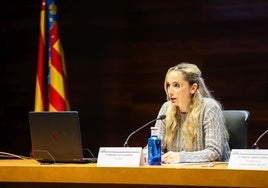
[30, 173]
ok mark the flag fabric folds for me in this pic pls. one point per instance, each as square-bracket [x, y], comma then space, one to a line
[51, 78]
[40, 90]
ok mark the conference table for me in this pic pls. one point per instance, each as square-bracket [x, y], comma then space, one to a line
[30, 173]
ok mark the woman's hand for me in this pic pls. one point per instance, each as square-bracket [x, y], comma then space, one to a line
[171, 158]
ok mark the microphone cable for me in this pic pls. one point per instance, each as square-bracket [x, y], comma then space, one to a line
[6, 155]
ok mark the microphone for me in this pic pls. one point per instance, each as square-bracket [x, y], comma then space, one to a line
[255, 145]
[161, 117]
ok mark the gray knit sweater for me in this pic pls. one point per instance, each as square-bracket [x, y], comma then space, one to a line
[211, 142]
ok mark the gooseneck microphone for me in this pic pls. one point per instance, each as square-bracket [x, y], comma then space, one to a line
[255, 145]
[161, 117]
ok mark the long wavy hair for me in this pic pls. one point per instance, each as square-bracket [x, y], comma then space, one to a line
[191, 74]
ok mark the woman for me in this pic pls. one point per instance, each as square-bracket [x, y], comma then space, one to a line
[194, 129]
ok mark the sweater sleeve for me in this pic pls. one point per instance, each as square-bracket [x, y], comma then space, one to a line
[212, 125]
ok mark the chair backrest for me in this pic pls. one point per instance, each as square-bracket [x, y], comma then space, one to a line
[236, 122]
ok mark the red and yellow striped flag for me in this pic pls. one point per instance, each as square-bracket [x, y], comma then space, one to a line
[40, 90]
[51, 92]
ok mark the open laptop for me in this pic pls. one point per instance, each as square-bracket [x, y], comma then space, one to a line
[56, 137]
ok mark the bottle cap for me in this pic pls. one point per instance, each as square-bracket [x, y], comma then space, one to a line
[154, 131]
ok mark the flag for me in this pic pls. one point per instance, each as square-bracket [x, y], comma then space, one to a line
[51, 90]
[58, 100]
[40, 88]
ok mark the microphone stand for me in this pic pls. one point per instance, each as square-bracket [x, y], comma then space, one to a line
[159, 118]
[255, 145]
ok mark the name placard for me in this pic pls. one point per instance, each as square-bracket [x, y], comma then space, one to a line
[120, 157]
[250, 159]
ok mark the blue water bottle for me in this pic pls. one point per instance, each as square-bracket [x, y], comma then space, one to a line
[154, 148]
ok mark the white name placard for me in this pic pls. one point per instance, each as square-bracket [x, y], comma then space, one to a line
[120, 157]
[250, 159]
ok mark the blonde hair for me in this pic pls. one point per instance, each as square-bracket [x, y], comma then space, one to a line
[191, 74]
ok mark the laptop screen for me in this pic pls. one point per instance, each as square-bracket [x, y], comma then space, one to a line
[56, 136]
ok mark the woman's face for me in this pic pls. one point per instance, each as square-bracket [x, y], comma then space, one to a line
[179, 91]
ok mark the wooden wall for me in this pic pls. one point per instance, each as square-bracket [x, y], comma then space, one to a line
[117, 53]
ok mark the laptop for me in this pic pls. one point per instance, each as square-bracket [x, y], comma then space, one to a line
[56, 138]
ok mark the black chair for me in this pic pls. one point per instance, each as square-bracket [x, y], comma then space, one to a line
[236, 122]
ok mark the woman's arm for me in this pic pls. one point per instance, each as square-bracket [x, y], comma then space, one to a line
[213, 125]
